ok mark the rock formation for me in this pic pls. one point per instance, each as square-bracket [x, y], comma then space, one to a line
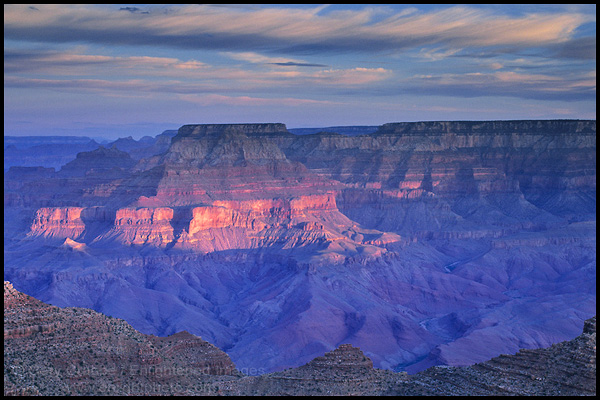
[73, 351]
[58, 222]
[429, 243]
[46, 151]
[564, 369]
[144, 226]
[102, 160]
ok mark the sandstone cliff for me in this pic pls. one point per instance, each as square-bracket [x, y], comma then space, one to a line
[58, 222]
[144, 226]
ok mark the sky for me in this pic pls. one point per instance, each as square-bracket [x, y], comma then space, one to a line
[134, 70]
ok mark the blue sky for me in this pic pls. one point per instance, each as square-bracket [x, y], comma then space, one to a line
[121, 70]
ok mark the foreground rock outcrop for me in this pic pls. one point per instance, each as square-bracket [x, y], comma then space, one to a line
[564, 369]
[72, 351]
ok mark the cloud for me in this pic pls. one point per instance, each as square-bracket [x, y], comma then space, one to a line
[288, 29]
[109, 87]
[297, 64]
[133, 10]
[583, 48]
[256, 58]
[505, 83]
[350, 77]
[217, 99]
[460, 52]
[71, 63]
[169, 73]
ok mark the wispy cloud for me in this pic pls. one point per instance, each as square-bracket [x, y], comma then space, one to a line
[350, 77]
[287, 29]
[217, 99]
[506, 83]
[169, 73]
[579, 48]
[256, 58]
[72, 63]
[108, 87]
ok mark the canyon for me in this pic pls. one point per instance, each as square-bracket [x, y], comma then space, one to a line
[424, 244]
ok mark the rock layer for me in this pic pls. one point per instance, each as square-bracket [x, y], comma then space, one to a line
[58, 222]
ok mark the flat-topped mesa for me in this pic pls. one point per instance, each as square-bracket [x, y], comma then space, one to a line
[227, 145]
[450, 135]
[218, 130]
[546, 127]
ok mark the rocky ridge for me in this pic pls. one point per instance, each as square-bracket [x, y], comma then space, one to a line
[563, 369]
[58, 351]
[73, 351]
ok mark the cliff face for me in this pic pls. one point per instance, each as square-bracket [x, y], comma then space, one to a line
[58, 223]
[493, 128]
[224, 225]
[550, 164]
[254, 224]
[144, 226]
[423, 243]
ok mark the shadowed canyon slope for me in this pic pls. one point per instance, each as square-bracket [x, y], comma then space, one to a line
[74, 351]
[422, 243]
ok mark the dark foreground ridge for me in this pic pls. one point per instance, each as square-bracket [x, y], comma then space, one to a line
[73, 351]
